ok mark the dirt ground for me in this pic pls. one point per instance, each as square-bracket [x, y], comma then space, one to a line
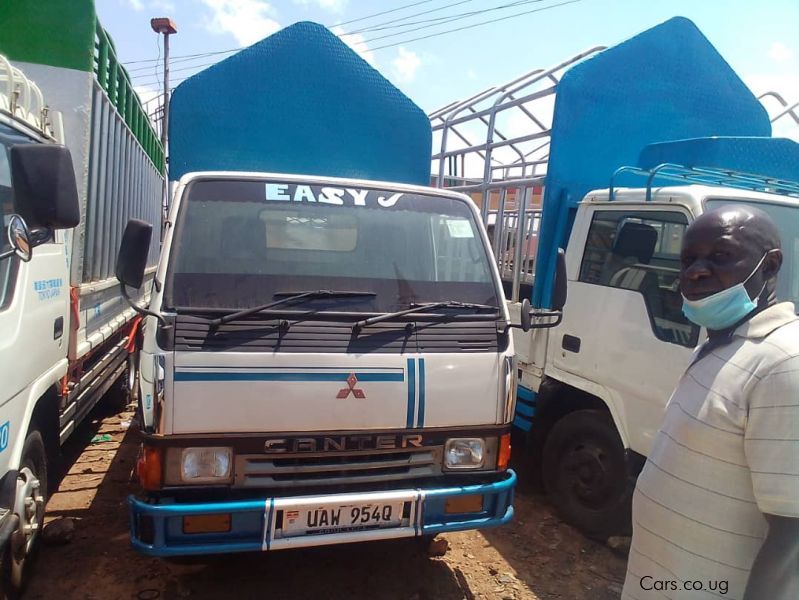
[534, 557]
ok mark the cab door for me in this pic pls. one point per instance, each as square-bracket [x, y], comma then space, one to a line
[34, 303]
[623, 332]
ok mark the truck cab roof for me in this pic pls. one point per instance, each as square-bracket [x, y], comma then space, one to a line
[690, 196]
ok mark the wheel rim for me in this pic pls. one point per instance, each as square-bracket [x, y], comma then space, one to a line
[587, 474]
[30, 502]
[131, 373]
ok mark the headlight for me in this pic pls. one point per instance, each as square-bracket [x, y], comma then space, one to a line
[464, 453]
[206, 465]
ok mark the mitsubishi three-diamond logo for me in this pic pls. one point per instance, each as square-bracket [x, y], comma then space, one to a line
[351, 389]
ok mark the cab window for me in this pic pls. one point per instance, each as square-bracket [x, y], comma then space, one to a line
[640, 251]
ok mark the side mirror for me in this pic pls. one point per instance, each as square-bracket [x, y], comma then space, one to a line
[553, 316]
[45, 192]
[19, 238]
[132, 261]
[133, 252]
[561, 281]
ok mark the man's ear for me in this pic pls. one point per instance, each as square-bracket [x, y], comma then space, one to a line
[772, 264]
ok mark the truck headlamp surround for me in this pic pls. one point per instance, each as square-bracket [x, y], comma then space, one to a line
[464, 453]
[206, 464]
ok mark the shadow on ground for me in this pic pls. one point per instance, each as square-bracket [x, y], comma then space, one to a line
[553, 559]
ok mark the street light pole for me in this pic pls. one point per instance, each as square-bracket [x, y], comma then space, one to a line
[166, 27]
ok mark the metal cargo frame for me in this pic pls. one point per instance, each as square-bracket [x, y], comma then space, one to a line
[505, 174]
[494, 146]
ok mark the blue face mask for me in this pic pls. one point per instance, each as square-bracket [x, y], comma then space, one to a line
[725, 308]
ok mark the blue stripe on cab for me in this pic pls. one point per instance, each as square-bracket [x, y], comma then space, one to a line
[522, 423]
[239, 376]
[525, 394]
[420, 422]
[411, 392]
[525, 409]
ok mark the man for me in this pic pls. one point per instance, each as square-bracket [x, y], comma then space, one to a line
[716, 508]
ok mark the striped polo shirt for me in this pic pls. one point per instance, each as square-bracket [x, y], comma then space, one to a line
[727, 452]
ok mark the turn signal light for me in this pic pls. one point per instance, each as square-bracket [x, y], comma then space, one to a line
[148, 468]
[503, 459]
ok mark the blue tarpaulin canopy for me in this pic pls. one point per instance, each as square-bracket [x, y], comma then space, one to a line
[300, 101]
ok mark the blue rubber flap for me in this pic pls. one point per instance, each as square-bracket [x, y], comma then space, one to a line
[300, 101]
[667, 83]
[776, 158]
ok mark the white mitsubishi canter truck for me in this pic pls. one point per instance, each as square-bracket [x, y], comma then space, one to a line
[324, 361]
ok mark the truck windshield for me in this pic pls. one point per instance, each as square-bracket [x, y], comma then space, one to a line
[786, 218]
[238, 243]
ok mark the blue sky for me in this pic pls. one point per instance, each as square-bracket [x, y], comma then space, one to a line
[759, 39]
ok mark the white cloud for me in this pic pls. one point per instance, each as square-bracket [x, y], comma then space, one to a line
[335, 6]
[779, 52]
[471, 74]
[151, 100]
[247, 20]
[140, 5]
[146, 93]
[787, 86]
[358, 43]
[406, 64]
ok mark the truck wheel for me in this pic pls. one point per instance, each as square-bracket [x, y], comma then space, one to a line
[123, 391]
[585, 474]
[31, 496]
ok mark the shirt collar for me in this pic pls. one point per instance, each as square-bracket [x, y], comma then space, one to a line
[767, 321]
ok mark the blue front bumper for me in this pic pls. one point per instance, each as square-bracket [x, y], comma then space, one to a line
[157, 529]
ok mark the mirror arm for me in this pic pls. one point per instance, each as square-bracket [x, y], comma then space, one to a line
[40, 235]
[7, 254]
[558, 314]
[142, 311]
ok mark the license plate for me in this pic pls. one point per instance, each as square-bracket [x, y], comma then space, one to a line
[342, 518]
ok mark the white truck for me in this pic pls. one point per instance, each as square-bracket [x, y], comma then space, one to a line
[72, 170]
[593, 389]
[326, 359]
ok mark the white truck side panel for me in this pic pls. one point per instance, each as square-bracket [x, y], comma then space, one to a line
[116, 181]
[32, 355]
[620, 353]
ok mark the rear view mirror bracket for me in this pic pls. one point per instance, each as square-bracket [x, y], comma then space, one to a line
[530, 317]
[144, 312]
[132, 261]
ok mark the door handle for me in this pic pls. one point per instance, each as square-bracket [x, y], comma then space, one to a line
[58, 328]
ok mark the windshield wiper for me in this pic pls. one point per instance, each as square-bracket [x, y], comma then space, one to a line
[290, 298]
[416, 307]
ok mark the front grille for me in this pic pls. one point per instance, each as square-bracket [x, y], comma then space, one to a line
[255, 334]
[260, 471]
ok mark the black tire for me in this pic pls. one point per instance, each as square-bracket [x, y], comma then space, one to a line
[585, 474]
[17, 560]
